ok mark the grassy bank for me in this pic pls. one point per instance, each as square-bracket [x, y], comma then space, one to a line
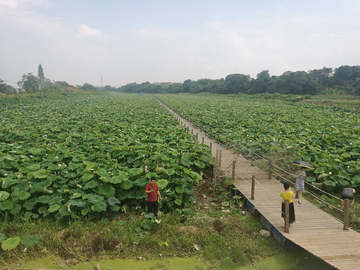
[226, 238]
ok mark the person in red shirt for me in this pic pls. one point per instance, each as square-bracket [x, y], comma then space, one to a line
[152, 191]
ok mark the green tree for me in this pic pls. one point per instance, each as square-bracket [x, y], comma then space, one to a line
[88, 87]
[236, 83]
[355, 72]
[263, 83]
[41, 76]
[108, 88]
[297, 83]
[29, 83]
[61, 83]
[357, 86]
[343, 73]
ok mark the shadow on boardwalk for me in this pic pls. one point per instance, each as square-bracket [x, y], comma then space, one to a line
[314, 230]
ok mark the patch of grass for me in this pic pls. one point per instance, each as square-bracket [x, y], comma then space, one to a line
[232, 239]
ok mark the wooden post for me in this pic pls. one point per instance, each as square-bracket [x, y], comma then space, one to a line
[215, 172]
[192, 131]
[287, 225]
[233, 171]
[220, 159]
[202, 140]
[218, 138]
[346, 214]
[210, 147]
[270, 168]
[197, 136]
[252, 187]
[252, 158]
[227, 142]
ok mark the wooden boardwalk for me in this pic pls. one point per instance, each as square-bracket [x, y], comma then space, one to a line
[314, 230]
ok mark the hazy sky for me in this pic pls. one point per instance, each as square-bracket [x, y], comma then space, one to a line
[80, 41]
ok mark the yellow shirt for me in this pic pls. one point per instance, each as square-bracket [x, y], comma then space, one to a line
[287, 196]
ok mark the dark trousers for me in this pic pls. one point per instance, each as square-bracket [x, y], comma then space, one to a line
[153, 207]
[291, 212]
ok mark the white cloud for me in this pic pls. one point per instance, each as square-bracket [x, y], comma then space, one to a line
[86, 31]
[21, 3]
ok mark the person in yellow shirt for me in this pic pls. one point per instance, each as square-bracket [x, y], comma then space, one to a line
[287, 195]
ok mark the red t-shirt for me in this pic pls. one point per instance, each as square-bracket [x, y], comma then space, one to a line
[152, 197]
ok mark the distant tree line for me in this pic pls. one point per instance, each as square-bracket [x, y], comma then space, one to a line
[39, 84]
[346, 78]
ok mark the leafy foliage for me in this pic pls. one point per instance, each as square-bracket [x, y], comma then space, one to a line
[327, 137]
[83, 156]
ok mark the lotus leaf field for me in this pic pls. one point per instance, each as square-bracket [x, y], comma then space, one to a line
[327, 137]
[85, 156]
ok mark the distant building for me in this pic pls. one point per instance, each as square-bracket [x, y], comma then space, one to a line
[71, 88]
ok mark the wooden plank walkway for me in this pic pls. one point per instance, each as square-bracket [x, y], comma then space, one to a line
[314, 230]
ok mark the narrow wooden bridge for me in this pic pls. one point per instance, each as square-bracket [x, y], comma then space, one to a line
[314, 230]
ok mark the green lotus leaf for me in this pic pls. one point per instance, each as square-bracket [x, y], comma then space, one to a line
[35, 151]
[185, 161]
[42, 210]
[6, 205]
[96, 199]
[225, 203]
[2, 237]
[64, 210]
[53, 208]
[194, 175]
[113, 201]
[119, 178]
[99, 207]
[135, 171]
[10, 243]
[148, 224]
[179, 189]
[104, 179]
[44, 199]
[39, 174]
[107, 190]
[323, 175]
[329, 183]
[91, 184]
[115, 208]
[178, 202]
[86, 177]
[123, 195]
[34, 167]
[162, 183]
[84, 212]
[127, 184]
[140, 194]
[27, 215]
[56, 199]
[199, 164]
[4, 195]
[141, 182]
[78, 203]
[41, 187]
[20, 195]
[189, 190]
[343, 174]
[91, 165]
[29, 204]
[30, 240]
[16, 209]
